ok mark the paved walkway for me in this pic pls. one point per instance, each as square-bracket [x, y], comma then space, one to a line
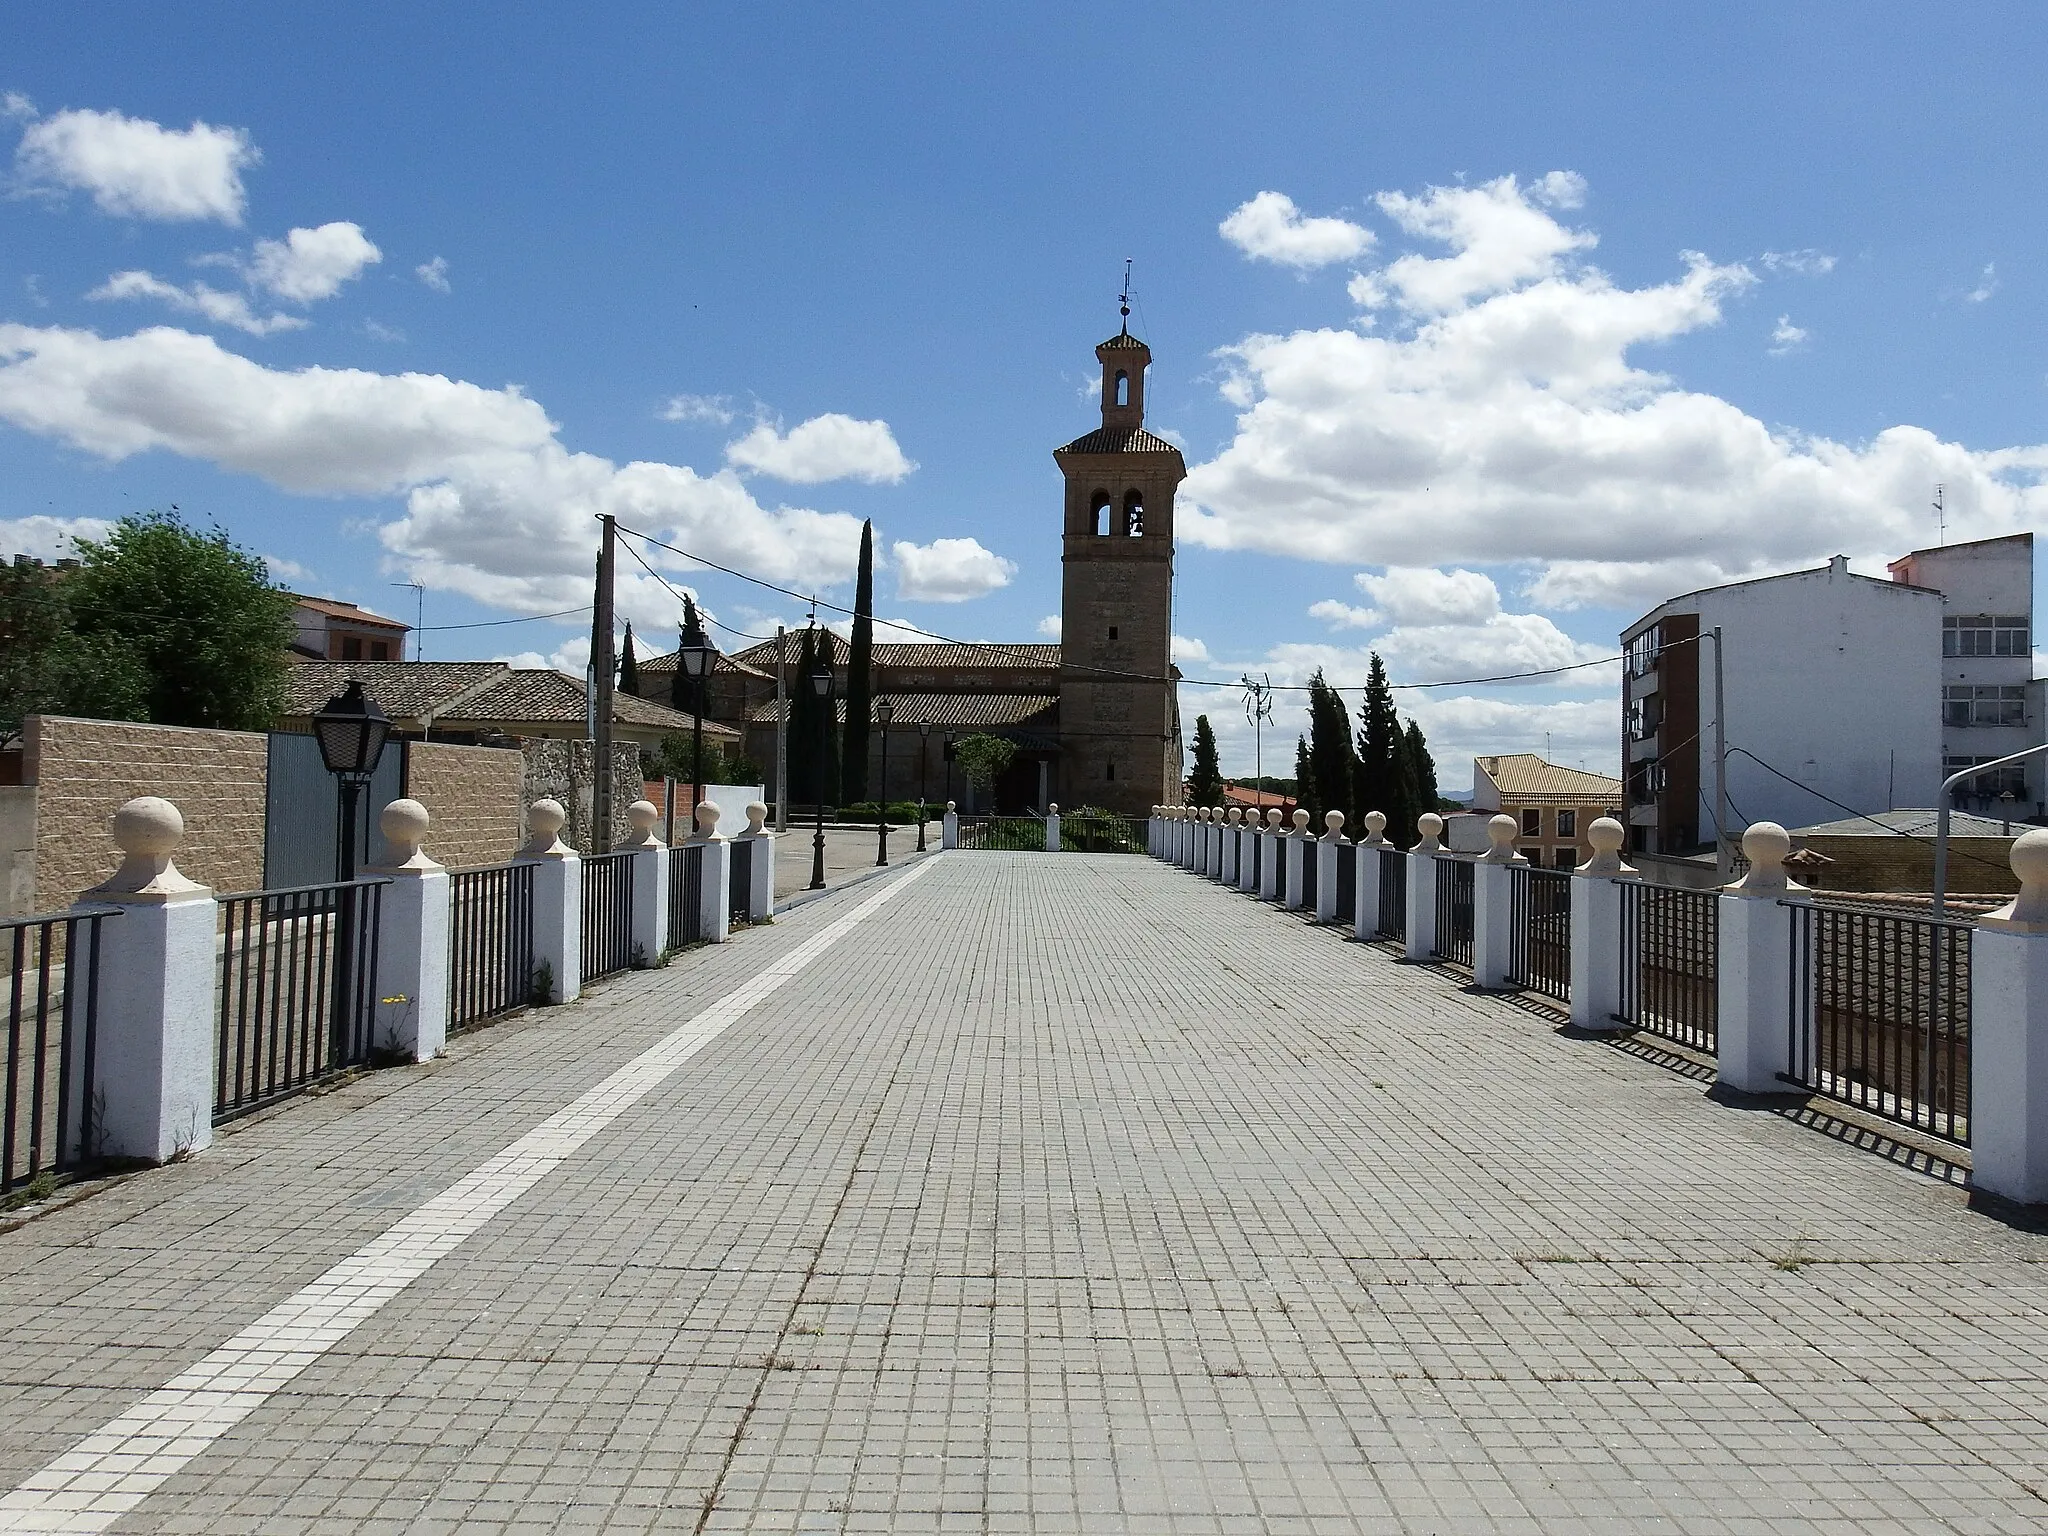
[1031, 1194]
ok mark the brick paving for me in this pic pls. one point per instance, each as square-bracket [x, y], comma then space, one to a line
[1067, 1194]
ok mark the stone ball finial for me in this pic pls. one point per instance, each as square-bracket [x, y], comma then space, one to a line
[1300, 819]
[950, 807]
[707, 819]
[1273, 818]
[1431, 826]
[544, 822]
[147, 830]
[641, 817]
[1333, 821]
[757, 818]
[1500, 838]
[2027, 911]
[1375, 826]
[1235, 815]
[1766, 845]
[1053, 808]
[404, 824]
[1606, 835]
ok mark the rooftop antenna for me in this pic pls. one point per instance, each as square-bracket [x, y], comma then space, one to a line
[1123, 300]
[1940, 514]
[419, 651]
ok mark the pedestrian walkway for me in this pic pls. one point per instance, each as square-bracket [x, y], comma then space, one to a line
[1026, 1193]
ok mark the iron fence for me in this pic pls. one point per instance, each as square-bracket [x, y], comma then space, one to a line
[685, 895]
[1393, 876]
[1258, 843]
[1881, 1014]
[1017, 834]
[46, 1118]
[740, 888]
[1670, 963]
[1101, 832]
[607, 913]
[298, 990]
[1540, 930]
[1347, 882]
[1454, 903]
[490, 942]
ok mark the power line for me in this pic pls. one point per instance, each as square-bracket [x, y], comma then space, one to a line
[679, 597]
[1864, 815]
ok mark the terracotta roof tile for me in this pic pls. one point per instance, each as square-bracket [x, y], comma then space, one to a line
[402, 689]
[1124, 341]
[1118, 440]
[948, 711]
[1523, 776]
[335, 608]
[545, 697]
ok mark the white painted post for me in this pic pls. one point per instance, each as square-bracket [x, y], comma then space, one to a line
[557, 901]
[715, 894]
[1269, 857]
[1598, 890]
[1326, 866]
[761, 868]
[2009, 1035]
[154, 1046]
[650, 883]
[949, 829]
[1052, 827]
[1226, 868]
[412, 938]
[1212, 842]
[1365, 911]
[1493, 905]
[1187, 837]
[1755, 965]
[1298, 870]
[1152, 832]
[1422, 874]
[1198, 850]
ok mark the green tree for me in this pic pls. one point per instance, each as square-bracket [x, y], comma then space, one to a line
[1305, 783]
[812, 776]
[1384, 780]
[683, 694]
[860, 660]
[1206, 782]
[982, 758]
[1333, 760]
[48, 668]
[1421, 769]
[198, 614]
[629, 666]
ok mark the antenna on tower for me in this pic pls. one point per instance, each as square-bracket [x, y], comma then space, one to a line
[1123, 300]
[1940, 514]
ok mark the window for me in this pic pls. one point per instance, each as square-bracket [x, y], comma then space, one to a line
[351, 649]
[1098, 513]
[1112, 631]
[1644, 716]
[1642, 653]
[1982, 634]
[1983, 704]
[1566, 858]
[1134, 514]
[1645, 781]
[1123, 387]
[1567, 823]
[1109, 770]
[1532, 823]
[2011, 779]
[379, 651]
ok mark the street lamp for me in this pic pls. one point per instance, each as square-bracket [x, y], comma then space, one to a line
[695, 654]
[949, 765]
[924, 769]
[821, 685]
[884, 713]
[351, 730]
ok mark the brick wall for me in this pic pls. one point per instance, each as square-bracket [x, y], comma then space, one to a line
[474, 797]
[1907, 864]
[84, 770]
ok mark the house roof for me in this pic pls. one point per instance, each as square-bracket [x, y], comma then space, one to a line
[1123, 341]
[666, 663]
[405, 690]
[1663, 608]
[1236, 794]
[335, 608]
[1945, 549]
[946, 711]
[1918, 824]
[1118, 440]
[915, 653]
[473, 693]
[1523, 777]
[543, 696]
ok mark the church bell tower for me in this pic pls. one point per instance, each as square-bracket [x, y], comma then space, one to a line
[1119, 721]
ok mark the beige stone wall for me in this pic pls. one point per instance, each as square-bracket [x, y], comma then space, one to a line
[83, 770]
[474, 797]
[1907, 864]
[17, 850]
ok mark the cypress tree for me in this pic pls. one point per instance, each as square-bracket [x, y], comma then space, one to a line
[1422, 769]
[1333, 761]
[629, 666]
[859, 669]
[680, 694]
[1305, 784]
[811, 777]
[1378, 777]
[1206, 782]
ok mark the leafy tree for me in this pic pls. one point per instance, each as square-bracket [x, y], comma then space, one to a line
[1206, 783]
[629, 666]
[47, 667]
[196, 612]
[812, 776]
[1333, 761]
[860, 660]
[1305, 783]
[724, 763]
[982, 758]
[1421, 770]
[1385, 778]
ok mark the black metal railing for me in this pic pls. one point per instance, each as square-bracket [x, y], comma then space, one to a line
[607, 914]
[1017, 834]
[490, 942]
[1393, 878]
[1540, 930]
[1347, 882]
[685, 895]
[1881, 1014]
[46, 1118]
[1258, 858]
[297, 1000]
[1454, 903]
[1102, 832]
[739, 888]
[1670, 963]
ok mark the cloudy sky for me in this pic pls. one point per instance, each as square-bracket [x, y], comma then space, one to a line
[1483, 328]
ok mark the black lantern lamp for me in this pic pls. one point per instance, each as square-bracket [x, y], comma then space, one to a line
[696, 656]
[821, 686]
[924, 767]
[884, 713]
[351, 730]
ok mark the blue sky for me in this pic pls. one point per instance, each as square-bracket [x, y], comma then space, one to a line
[427, 289]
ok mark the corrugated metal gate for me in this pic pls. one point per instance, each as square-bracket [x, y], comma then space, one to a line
[302, 812]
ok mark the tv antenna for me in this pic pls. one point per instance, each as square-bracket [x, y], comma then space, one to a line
[1258, 709]
[1940, 514]
[1123, 300]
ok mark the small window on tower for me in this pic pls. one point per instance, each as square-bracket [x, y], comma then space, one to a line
[1099, 508]
[1110, 770]
[1112, 631]
[1123, 387]
[1134, 514]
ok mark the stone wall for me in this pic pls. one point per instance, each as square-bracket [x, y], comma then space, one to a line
[474, 796]
[83, 770]
[1907, 864]
[561, 770]
[17, 850]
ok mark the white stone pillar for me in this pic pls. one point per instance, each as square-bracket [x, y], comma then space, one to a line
[1226, 846]
[1755, 967]
[1198, 853]
[650, 883]
[1152, 832]
[1493, 905]
[557, 903]
[153, 1067]
[1299, 870]
[1212, 842]
[949, 829]
[1365, 910]
[1269, 857]
[761, 867]
[1326, 866]
[1187, 837]
[1052, 827]
[715, 893]
[412, 938]
[1422, 877]
[2009, 1036]
[1599, 887]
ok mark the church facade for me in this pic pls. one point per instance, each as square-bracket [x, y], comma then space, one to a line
[1094, 719]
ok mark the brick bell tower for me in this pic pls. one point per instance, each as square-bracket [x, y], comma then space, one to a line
[1119, 720]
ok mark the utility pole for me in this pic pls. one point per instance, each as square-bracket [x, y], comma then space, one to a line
[419, 646]
[781, 737]
[606, 675]
[1940, 514]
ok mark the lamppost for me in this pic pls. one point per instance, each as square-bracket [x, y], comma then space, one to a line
[351, 730]
[695, 654]
[821, 686]
[949, 766]
[924, 769]
[884, 713]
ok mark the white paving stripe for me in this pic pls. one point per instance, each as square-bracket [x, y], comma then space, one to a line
[116, 1467]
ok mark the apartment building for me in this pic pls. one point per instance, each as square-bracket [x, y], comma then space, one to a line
[1552, 805]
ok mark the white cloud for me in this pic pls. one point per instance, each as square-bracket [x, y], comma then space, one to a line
[1987, 285]
[434, 274]
[229, 309]
[1271, 228]
[1447, 624]
[136, 168]
[1049, 626]
[312, 264]
[828, 447]
[948, 570]
[1806, 262]
[1502, 420]
[495, 505]
[288, 572]
[1188, 650]
[1423, 595]
[47, 538]
[1344, 616]
[17, 106]
[716, 409]
[377, 330]
[1785, 337]
[1569, 584]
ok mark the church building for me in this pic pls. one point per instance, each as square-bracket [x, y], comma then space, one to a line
[1094, 719]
